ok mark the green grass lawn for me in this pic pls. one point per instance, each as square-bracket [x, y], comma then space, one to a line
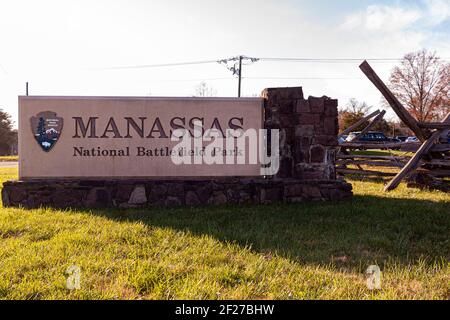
[286, 251]
[396, 153]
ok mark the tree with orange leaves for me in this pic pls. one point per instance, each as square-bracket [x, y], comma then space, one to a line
[422, 84]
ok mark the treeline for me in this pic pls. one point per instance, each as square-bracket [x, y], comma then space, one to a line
[8, 135]
[355, 111]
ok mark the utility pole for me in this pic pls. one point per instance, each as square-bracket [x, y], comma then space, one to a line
[236, 67]
[26, 88]
[240, 76]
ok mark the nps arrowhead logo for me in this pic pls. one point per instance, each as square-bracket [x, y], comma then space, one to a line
[46, 128]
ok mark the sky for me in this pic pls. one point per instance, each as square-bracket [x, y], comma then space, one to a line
[78, 47]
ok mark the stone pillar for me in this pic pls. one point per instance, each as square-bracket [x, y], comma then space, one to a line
[308, 132]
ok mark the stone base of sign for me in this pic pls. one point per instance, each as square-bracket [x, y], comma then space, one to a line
[131, 194]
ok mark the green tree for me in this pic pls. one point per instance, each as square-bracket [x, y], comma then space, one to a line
[6, 132]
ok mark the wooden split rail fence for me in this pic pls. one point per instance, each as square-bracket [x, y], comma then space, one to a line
[429, 167]
[345, 160]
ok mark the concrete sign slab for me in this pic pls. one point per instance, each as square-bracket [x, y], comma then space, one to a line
[124, 137]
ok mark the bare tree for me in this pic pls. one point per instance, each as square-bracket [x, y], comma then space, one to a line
[354, 106]
[352, 113]
[422, 84]
[204, 90]
[355, 111]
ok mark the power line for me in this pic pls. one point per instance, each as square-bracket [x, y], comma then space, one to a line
[337, 60]
[192, 80]
[235, 64]
[330, 59]
[304, 78]
[143, 66]
[235, 60]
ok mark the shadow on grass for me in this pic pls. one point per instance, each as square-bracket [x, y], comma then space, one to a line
[359, 232]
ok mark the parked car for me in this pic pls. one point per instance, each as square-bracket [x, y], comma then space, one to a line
[372, 137]
[342, 138]
[411, 139]
[401, 138]
[445, 140]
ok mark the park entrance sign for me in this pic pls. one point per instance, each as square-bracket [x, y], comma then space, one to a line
[97, 152]
[126, 137]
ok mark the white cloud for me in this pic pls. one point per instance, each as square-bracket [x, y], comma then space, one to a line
[387, 18]
[391, 31]
[439, 11]
[382, 18]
